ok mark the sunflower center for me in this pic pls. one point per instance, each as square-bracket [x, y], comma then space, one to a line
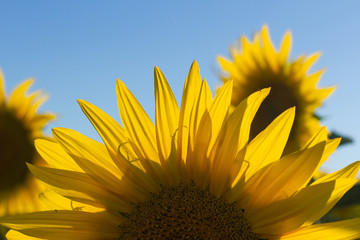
[16, 148]
[186, 212]
[280, 98]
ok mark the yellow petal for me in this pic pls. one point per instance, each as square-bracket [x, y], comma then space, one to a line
[189, 97]
[245, 113]
[52, 201]
[242, 116]
[62, 224]
[243, 63]
[291, 213]
[137, 123]
[117, 141]
[141, 131]
[269, 50]
[229, 67]
[285, 48]
[330, 147]
[110, 131]
[27, 102]
[257, 52]
[15, 235]
[282, 178]
[41, 119]
[320, 136]
[323, 93]
[76, 196]
[76, 144]
[344, 185]
[18, 95]
[94, 160]
[69, 233]
[128, 190]
[310, 83]
[248, 58]
[202, 104]
[268, 145]
[166, 114]
[223, 154]
[78, 182]
[349, 171]
[55, 155]
[198, 163]
[197, 118]
[60, 218]
[342, 230]
[219, 108]
[234, 137]
[310, 61]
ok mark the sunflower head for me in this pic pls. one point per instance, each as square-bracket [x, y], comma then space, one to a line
[20, 124]
[257, 64]
[194, 174]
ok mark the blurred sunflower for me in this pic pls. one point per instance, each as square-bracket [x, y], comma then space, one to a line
[191, 175]
[258, 65]
[20, 124]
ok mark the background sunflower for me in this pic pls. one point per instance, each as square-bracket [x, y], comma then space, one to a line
[258, 64]
[20, 124]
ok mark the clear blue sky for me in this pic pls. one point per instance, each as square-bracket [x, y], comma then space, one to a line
[77, 50]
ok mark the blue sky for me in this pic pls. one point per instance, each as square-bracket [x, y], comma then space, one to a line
[77, 50]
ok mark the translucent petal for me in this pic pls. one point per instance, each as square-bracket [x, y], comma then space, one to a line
[189, 97]
[110, 131]
[52, 201]
[291, 213]
[55, 156]
[219, 108]
[78, 182]
[342, 230]
[349, 171]
[268, 145]
[166, 114]
[234, 136]
[202, 104]
[141, 131]
[282, 178]
[77, 144]
[137, 123]
[64, 224]
[15, 235]
[198, 164]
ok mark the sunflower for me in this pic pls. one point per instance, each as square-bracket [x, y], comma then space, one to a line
[191, 175]
[20, 124]
[258, 65]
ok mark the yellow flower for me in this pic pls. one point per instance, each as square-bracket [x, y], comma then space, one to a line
[20, 124]
[258, 65]
[191, 175]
